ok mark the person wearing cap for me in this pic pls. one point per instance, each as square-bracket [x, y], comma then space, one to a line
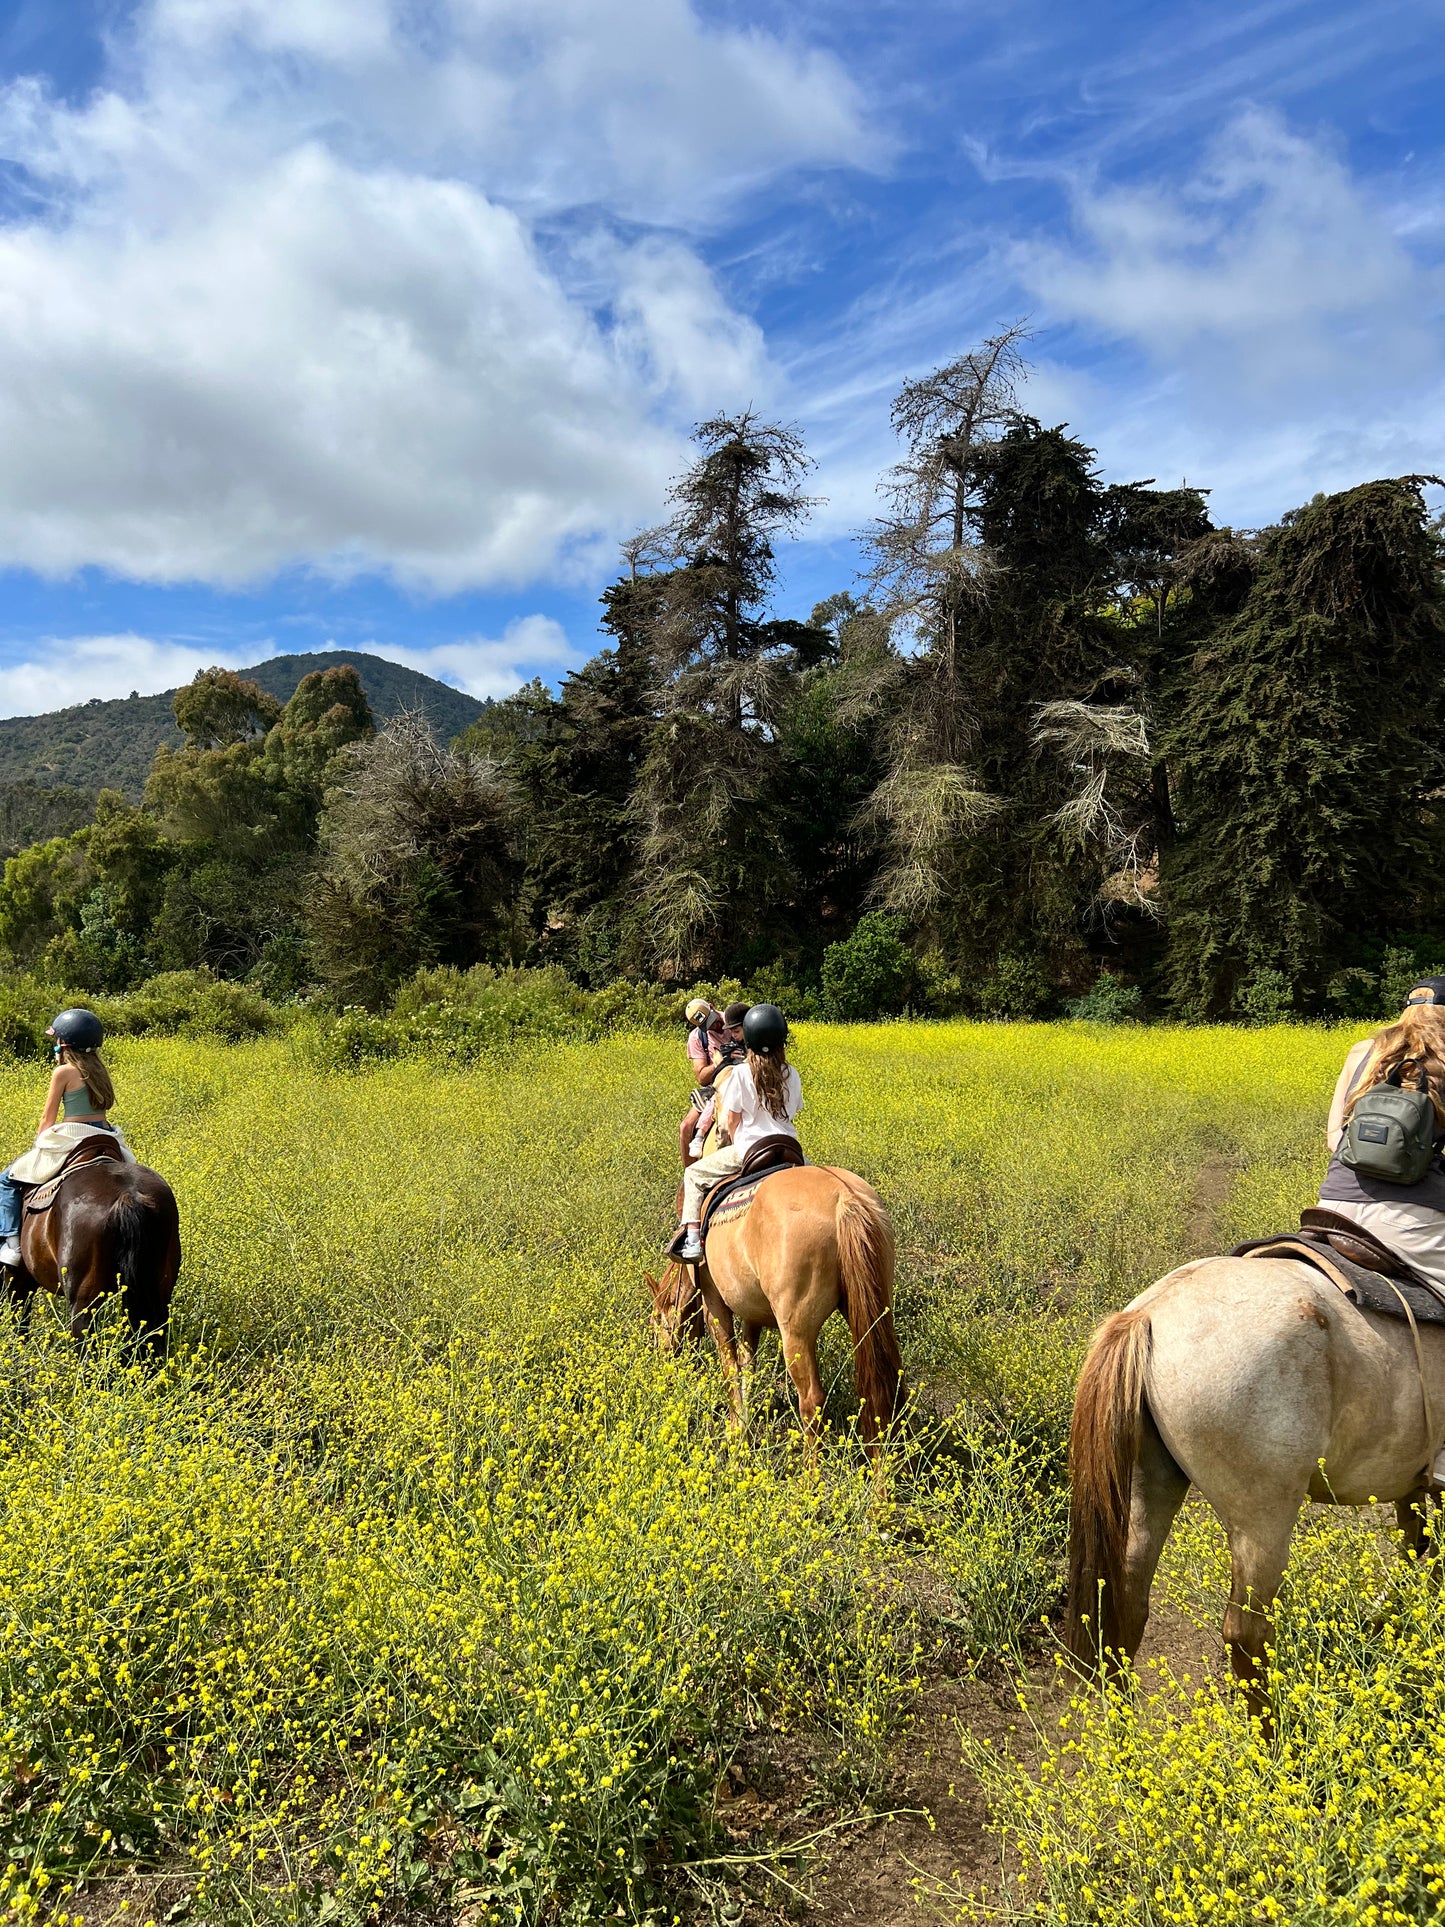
[760, 1100]
[705, 1038]
[76, 1107]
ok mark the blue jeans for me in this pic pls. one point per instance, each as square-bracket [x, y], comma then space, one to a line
[9, 1208]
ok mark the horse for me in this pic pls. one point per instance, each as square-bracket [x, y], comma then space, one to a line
[110, 1225]
[814, 1240]
[1258, 1382]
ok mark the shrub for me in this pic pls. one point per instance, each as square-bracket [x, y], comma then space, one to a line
[1017, 988]
[1108, 1000]
[869, 974]
[1265, 997]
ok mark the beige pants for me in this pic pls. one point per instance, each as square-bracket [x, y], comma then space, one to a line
[51, 1148]
[1412, 1231]
[698, 1179]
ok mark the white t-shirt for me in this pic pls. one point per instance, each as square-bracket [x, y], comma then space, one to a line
[755, 1121]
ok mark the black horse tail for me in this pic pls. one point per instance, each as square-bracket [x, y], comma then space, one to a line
[142, 1231]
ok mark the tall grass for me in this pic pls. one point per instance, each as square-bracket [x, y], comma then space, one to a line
[417, 1576]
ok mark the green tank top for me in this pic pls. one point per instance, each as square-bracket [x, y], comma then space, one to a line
[79, 1103]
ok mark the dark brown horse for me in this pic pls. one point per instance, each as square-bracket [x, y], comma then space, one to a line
[111, 1227]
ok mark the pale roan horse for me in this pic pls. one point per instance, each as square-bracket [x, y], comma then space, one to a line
[1258, 1382]
[815, 1240]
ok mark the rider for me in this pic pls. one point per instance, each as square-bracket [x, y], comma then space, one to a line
[76, 1107]
[761, 1099]
[1409, 1218]
[705, 1036]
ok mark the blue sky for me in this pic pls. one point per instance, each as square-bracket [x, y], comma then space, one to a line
[379, 323]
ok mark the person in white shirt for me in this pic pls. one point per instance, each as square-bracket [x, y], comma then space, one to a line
[762, 1099]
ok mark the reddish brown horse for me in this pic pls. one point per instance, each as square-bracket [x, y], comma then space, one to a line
[814, 1241]
[111, 1227]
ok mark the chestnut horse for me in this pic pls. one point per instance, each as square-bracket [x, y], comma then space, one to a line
[1257, 1381]
[815, 1240]
[111, 1226]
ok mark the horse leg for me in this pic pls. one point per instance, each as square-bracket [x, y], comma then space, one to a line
[800, 1351]
[1156, 1495]
[747, 1355]
[721, 1324]
[1257, 1555]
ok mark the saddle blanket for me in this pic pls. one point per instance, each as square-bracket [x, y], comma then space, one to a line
[44, 1195]
[1367, 1289]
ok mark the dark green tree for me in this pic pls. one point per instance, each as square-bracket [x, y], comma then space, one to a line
[711, 868]
[1302, 740]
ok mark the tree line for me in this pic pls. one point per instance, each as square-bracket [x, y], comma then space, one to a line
[1063, 744]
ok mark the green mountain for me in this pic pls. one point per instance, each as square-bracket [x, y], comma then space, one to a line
[98, 745]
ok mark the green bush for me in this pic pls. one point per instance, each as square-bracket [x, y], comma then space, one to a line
[869, 974]
[1265, 997]
[1017, 988]
[1108, 1000]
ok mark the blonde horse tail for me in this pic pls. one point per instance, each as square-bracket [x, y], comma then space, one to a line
[1103, 1448]
[865, 1264]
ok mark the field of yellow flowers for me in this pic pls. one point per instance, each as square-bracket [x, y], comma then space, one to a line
[417, 1582]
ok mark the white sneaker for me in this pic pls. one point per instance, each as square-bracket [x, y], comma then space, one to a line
[691, 1247]
[697, 1147]
[10, 1252]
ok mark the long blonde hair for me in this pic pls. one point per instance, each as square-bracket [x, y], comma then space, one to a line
[770, 1076]
[97, 1078]
[1412, 1045]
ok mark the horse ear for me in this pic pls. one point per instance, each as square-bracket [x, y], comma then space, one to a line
[652, 1285]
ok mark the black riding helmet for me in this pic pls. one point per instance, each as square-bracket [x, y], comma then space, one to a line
[765, 1028]
[81, 1029]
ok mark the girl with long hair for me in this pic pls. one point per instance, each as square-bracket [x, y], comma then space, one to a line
[761, 1100]
[1409, 1218]
[77, 1104]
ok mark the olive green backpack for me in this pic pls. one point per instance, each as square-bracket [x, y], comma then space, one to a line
[1392, 1132]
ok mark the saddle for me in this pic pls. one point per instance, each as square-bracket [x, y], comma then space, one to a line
[96, 1150]
[1369, 1274]
[732, 1197]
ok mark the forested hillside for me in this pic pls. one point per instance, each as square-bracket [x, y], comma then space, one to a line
[96, 745]
[1064, 745]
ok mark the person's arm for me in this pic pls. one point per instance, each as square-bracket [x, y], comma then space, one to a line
[60, 1083]
[706, 1075]
[1334, 1128]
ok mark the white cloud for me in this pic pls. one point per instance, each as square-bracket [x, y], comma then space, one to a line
[1286, 338]
[1271, 263]
[530, 646]
[286, 305]
[75, 669]
[64, 670]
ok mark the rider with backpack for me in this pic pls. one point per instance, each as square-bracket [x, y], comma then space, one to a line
[1386, 1130]
[76, 1107]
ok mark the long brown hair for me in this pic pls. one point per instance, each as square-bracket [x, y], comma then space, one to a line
[97, 1078]
[770, 1075]
[1415, 1043]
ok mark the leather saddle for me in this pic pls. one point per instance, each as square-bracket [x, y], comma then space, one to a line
[767, 1157]
[94, 1150]
[1353, 1258]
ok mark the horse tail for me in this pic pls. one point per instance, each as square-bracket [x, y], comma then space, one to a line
[1103, 1447]
[142, 1231]
[865, 1265]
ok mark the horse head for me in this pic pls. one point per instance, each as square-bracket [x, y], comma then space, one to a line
[677, 1316]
